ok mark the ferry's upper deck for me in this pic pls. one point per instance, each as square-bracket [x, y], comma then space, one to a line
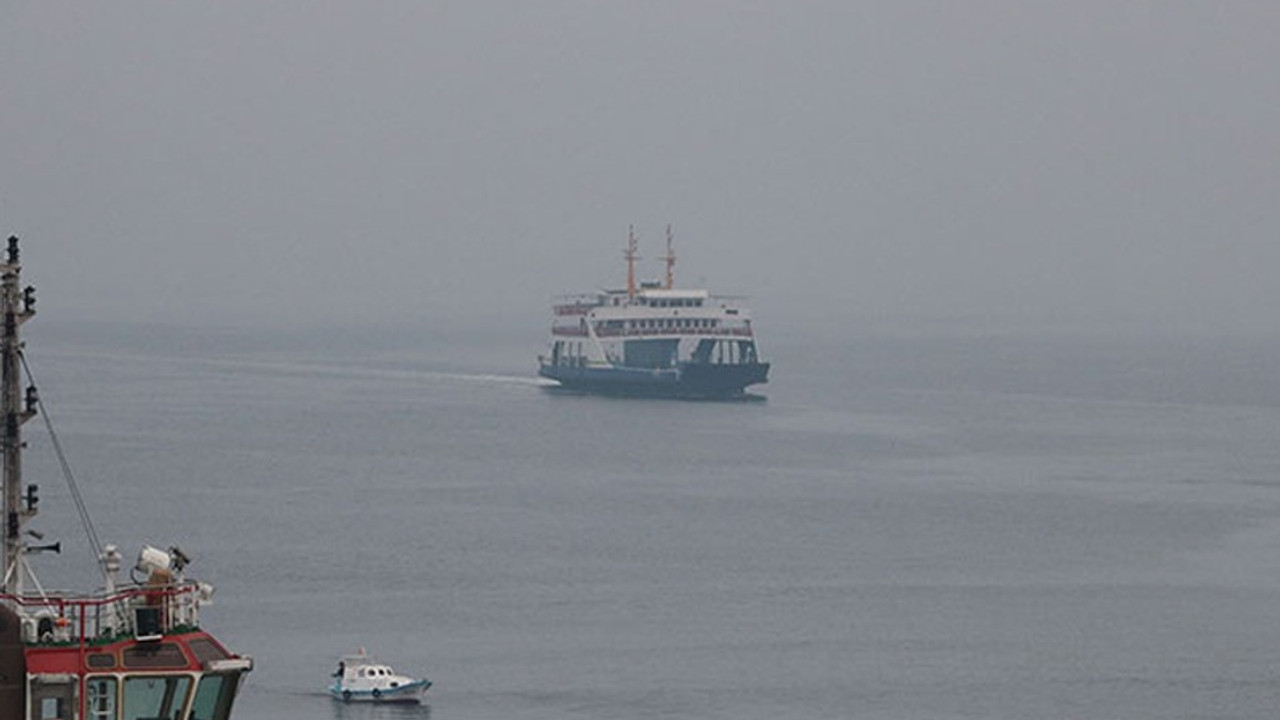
[651, 311]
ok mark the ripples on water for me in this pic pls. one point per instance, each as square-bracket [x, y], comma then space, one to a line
[904, 529]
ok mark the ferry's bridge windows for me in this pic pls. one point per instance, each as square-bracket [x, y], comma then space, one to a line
[213, 697]
[100, 697]
[155, 696]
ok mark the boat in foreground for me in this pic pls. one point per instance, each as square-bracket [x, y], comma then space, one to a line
[132, 650]
[653, 339]
[361, 678]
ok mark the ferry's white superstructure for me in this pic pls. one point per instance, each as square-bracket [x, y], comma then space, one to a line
[653, 339]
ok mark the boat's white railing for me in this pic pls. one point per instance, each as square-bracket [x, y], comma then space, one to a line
[144, 612]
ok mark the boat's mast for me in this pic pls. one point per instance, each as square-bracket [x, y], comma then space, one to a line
[671, 261]
[17, 305]
[632, 247]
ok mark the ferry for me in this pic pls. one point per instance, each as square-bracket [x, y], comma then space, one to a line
[132, 649]
[653, 339]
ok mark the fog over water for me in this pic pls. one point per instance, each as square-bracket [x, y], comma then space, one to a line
[987, 165]
[1014, 265]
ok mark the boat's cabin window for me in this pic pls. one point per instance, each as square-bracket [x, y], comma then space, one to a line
[53, 699]
[156, 696]
[154, 657]
[213, 697]
[100, 698]
[51, 708]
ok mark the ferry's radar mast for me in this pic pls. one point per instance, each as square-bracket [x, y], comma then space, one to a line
[630, 254]
[671, 261]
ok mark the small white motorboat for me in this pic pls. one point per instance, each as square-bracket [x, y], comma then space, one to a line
[361, 678]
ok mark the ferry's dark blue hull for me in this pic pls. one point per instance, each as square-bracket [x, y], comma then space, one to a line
[689, 380]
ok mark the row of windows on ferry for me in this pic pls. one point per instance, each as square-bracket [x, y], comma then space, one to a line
[671, 302]
[660, 324]
[660, 302]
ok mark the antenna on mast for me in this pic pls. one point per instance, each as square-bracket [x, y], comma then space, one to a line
[16, 306]
[671, 261]
[630, 254]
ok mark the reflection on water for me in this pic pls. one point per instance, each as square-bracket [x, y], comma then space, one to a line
[379, 711]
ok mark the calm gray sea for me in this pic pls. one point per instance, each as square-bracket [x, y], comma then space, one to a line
[912, 527]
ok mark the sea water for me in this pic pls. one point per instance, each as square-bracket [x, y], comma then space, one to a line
[907, 527]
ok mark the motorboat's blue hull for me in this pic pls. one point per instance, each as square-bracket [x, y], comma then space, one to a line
[689, 380]
[406, 693]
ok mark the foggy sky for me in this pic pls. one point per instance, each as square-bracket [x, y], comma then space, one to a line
[992, 164]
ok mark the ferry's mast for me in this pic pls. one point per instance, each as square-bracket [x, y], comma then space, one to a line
[17, 306]
[671, 261]
[632, 246]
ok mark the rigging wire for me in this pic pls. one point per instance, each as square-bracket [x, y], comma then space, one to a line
[76, 497]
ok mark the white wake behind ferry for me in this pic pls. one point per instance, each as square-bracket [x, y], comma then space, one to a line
[653, 339]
